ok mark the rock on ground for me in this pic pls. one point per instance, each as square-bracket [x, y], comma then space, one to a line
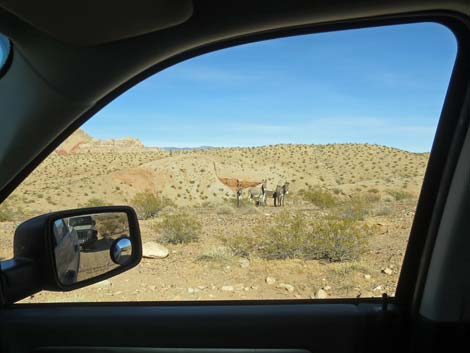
[387, 271]
[244, 263]
[288, 287]
[153, 250]
[270, 280]
[102, 284]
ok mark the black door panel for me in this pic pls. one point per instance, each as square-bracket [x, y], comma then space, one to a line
[314, 327]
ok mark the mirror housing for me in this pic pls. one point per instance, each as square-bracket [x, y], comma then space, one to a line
[34, 266]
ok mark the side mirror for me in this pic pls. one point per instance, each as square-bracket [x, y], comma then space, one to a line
[66, 250]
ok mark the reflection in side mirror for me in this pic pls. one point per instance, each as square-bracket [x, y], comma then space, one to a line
[66, 250]
[121, 251]
[90, 245]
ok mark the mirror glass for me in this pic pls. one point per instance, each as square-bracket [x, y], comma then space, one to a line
[121, 251]
[89, 245]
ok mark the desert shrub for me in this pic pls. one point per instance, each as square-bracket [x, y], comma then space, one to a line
[296, 237]
[337, 191]
[95, 202]
[354, 210]
[6, 213]
[9, 213]
[148, 204]
[243, 245]
[178, 228]
[319, 197]
[207, 204]
[339, 239]
[399, 194]
[357, 207]
[370, 197]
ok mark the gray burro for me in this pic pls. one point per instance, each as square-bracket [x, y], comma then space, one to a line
[153, 250]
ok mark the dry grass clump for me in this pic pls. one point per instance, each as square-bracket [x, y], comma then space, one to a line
[225, 210]
[178, 228]
[243, 203]
[297, 237]
[382, 211]
[148, 204]
[216, 254]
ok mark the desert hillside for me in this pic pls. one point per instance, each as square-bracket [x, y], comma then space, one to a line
[85, 168]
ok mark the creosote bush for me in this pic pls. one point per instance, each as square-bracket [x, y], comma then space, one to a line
[148, 204]
[8, 213]
[178, 228]
[95, 202]
[296, 237]
[357, 207]
[319, 197]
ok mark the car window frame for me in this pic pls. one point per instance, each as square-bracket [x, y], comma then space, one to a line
[447, 144]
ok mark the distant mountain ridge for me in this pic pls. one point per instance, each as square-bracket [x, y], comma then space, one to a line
[169, 148]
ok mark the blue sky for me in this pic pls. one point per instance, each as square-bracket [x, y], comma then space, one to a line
[383, 85]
